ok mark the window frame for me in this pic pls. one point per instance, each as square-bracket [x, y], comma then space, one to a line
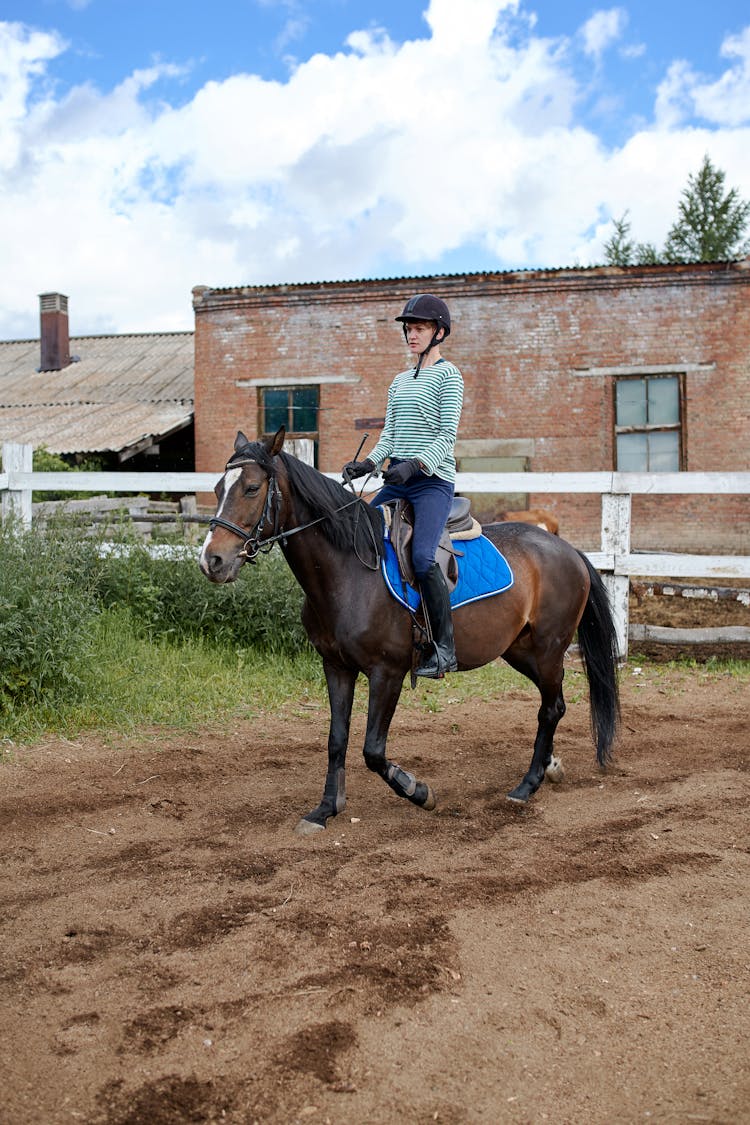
[290, 391]
[652, 427]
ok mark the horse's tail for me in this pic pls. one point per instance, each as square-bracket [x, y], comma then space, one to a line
[597, 640]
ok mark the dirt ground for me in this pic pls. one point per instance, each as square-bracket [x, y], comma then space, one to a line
[171, 952]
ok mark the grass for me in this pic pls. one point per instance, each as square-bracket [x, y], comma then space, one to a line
[482, 684]
[713, 668]
[133, 683]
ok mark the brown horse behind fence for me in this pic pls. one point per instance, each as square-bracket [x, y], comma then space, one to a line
[538, 516]
[333, 542]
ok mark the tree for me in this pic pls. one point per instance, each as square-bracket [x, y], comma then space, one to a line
[621, 250]
[710, 226]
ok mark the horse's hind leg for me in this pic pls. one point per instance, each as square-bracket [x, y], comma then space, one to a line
[551, 710]
[340, 683]
[385, 689]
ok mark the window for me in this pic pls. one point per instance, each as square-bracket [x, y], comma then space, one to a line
[296, 408]
[648, 428]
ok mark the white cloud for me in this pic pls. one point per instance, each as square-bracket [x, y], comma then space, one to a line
[23, 56]
[633, 51]
[727, 101]
[380, 159]
[684, 94]
[603, 29]
[466, 24]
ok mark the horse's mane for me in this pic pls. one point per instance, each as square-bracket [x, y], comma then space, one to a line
[349, 526]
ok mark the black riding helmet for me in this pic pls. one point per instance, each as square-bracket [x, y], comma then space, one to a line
[425, 306]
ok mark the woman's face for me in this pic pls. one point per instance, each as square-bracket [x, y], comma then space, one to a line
[419, 333]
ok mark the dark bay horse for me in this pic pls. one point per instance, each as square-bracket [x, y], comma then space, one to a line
[333, 542]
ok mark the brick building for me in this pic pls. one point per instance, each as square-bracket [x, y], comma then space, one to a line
[641, 368]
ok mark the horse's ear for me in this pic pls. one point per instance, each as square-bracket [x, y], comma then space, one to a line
[240, 441]
[274, 444]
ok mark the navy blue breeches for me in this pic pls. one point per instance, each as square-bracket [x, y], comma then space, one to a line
[431, 499]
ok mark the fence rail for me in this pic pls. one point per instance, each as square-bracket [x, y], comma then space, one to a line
[613, 560]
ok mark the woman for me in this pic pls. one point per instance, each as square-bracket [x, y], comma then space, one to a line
[419, 436]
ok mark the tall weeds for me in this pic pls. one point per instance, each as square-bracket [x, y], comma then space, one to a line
[74, 616]
[48, 605]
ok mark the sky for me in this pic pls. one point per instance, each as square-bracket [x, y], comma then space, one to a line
[146, 148]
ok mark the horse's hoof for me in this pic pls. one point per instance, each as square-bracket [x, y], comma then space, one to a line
[308, 828]
[430, 801]
[554, 771]
[516, 800]
[520, 795]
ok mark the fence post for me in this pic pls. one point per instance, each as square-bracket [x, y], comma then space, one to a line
[17, 458]
[616, 541]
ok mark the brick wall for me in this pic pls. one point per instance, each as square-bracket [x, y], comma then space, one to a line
[537, 350]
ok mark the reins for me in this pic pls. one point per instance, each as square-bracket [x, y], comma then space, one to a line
[253, 543]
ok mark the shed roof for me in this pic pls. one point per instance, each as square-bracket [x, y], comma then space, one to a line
[119, 394]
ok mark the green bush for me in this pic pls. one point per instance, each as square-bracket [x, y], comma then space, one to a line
[45, 462]
[47, 606]
[54, 584]
[170, 599]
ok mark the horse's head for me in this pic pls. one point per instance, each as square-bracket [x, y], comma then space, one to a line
[248, 508]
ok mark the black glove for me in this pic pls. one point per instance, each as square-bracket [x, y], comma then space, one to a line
[354, 469]
[401, 473]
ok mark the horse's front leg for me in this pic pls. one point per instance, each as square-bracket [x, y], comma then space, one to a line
[340, 683]
[385, 689]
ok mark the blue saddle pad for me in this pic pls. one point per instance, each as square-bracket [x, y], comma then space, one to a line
[482, 572]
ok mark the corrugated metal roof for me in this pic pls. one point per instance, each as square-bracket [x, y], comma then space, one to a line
[121, 391]
[523, 272]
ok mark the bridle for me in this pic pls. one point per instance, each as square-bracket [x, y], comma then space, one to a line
[254, 543]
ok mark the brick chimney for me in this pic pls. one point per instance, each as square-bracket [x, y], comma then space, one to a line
[55, 340]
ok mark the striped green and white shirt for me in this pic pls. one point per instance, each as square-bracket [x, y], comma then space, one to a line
[421, 418]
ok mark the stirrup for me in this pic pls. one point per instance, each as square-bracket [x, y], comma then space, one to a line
[433, 668]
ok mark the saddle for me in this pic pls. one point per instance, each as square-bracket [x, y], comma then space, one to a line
[399, 518]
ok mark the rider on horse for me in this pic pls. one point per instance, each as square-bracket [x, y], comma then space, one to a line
[419, 436]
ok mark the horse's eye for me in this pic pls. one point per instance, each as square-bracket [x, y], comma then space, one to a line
[251, 489]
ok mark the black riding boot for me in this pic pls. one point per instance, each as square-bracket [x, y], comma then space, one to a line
[440, 656]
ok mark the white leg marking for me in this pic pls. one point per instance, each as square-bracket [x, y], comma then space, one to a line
[555, 771]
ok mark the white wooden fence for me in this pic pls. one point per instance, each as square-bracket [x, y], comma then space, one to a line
[614, 559]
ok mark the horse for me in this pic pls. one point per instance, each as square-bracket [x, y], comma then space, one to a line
[333, 542]
[538, 516]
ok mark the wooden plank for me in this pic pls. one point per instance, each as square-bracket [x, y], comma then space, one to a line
[684, 566]
[601, 560]
[692, 592]
[16, 500]
[615, 530]
[728, 634]
[616, 511]
[92, 504]
[680, 484]
[163, 505]
[594, 483]
[114, 482]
